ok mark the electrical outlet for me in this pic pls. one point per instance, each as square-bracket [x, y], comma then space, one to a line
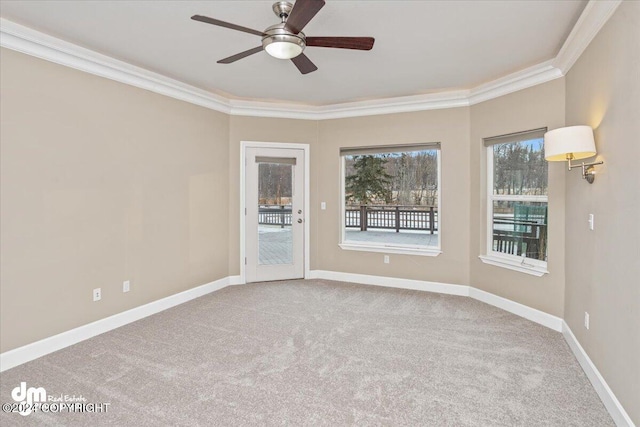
[126, 286]
[97, 294]
[323, 205]
[586, 320]
[386, 259]
[591, 222]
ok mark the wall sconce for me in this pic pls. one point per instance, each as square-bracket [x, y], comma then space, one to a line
[572, 143]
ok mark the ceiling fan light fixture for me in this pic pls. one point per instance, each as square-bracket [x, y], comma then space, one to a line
[283, 46]
[286, 40]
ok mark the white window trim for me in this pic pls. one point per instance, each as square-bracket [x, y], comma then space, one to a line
[521, 264]
[518, 264]
[384, 248]
[392, 249]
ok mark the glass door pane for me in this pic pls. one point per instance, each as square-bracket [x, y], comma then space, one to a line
[275, 235]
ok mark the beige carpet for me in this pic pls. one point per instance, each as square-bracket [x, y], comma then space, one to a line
[319, 353]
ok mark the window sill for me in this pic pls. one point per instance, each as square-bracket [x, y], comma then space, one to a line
[391, 249]
[514, 265]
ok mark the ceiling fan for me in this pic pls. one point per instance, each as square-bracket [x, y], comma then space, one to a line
[286, 39]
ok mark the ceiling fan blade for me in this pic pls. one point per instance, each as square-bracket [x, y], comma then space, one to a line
[303, 11]
[358, 43]
[304, 64]
[219, 23]
[240, 55]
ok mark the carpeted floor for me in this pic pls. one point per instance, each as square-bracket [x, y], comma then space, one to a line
[317, 352]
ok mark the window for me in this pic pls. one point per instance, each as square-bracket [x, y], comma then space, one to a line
[391, 199]
[517, 202]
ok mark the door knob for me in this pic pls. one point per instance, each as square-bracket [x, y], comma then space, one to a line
[299, 220]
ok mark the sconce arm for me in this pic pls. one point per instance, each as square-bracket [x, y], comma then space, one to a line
[583, 165]
[587, 168]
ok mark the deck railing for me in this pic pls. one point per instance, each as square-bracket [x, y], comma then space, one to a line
[510, 236]
[274, 215]
[396, 218]
[517, 237]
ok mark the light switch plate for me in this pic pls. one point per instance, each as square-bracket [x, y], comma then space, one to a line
[586, 320]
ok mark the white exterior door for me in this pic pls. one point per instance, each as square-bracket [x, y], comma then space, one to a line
[274, 217]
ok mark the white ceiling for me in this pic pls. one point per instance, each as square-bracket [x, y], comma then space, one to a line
[421, 46]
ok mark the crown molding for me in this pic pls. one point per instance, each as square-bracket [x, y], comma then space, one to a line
[404, 104]
[31, 42]
[434, 101]
[592, 19]
[34, 43]
[532, 76]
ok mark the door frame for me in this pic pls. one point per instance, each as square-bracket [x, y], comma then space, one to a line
[306, 202]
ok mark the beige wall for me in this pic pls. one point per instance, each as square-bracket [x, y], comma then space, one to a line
[603, 266]
[102, 182]
[451, 128]
[536, 107]
[325, 138]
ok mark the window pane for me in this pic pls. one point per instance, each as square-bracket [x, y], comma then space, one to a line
[519, 168]
[520, 228]
[275, 242]
[392, 198]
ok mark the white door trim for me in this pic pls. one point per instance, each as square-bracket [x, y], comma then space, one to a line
[307, 170]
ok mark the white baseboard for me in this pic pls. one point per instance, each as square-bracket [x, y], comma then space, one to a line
[518, 309]
[610, 401]
[40, 348]
[20, 355]
[615, 409]
[391, 282]
[545, 319]
[235, 280]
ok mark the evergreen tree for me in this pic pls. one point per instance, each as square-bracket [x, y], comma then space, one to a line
[370, 180]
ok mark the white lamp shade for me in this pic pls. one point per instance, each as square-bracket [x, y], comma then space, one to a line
[575, 140]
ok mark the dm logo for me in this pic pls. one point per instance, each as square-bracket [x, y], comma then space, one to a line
[28, 397]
